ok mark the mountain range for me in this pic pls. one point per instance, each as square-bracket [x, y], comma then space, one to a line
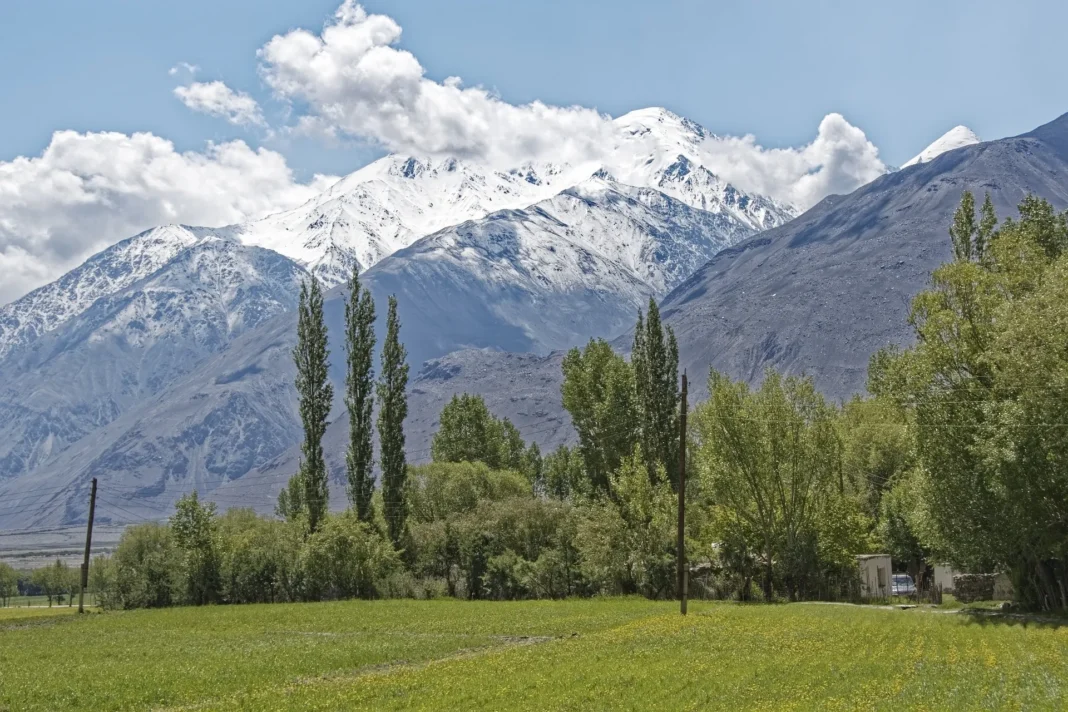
[164, 363]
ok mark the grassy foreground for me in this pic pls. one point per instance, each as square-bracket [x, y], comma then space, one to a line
[604, 654]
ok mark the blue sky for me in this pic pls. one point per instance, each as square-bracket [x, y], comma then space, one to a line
[100, 140]
[904, 72]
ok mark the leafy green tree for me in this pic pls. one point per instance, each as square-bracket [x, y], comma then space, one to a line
[985, 385]
[147, 564]
[655, 361]
[103, 582]
[468, 432]
[392, 410]
[627, 544]
[53, 581]
[564, 474]
[315, 396]
[877, 446]
[532, 467]
[988, 223]
[9, 583]
[73, 583]
[346, 558]
[439, 490]
[963, 230]
[194, 529]
[900, 527]
[598, 392]
[290, 505]
[359, 395]
[769, 459]
[259, 558]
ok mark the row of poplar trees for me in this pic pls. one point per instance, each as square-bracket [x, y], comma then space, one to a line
[307, 494]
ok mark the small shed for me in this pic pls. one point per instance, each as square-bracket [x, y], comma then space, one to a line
[874, 575]
[943, 576]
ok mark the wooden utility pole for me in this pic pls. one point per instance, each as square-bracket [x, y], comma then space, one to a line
[88, 546]
[683, 577]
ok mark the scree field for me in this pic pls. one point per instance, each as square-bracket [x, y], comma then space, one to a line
[580, 655]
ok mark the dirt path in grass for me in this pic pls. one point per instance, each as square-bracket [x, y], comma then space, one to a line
[504, 642]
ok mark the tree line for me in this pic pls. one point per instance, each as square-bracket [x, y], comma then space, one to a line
[958, 455]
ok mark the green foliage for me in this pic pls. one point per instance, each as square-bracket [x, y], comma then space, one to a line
[290, 505]
[439, 490]
[986, 385]
[315, 395]
[900, 522]
[54, 581]
[259, 558]
[599, 394]
[392, 410]
[104, 581]
[193, 527]
[9, 583]
[962, 231]
[770, 462]
[359, 395]
[147, 564]
[563, 474]
[468, 432]
[988, 223]
[487, 536]
[346, 558]
[877, 446]
[655, 361]
[627, 544]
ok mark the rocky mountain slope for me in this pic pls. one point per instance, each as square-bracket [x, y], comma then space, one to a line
[574, 266]
[134, 342]
[822, 293]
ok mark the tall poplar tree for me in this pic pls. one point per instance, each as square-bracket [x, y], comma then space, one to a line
[655, 360]
[963, 229]
[315, 395]
[359, 396]
[988, 223]
[392, 410]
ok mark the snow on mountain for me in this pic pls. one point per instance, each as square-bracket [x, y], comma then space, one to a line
[387, 206]
[576, 265]
[107, 272]
[132, 343]
[394, 201]
[956, 137]
[659, 149]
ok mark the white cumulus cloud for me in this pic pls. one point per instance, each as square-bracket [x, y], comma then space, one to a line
[839, 160]
[217, 99]
[353, 80]
[87, 191]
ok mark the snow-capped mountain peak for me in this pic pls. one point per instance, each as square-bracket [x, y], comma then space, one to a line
[392, 202]
[106, 273]
[956, 137]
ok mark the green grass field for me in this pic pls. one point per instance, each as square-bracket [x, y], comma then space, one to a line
[22, 601]
[600, 654]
